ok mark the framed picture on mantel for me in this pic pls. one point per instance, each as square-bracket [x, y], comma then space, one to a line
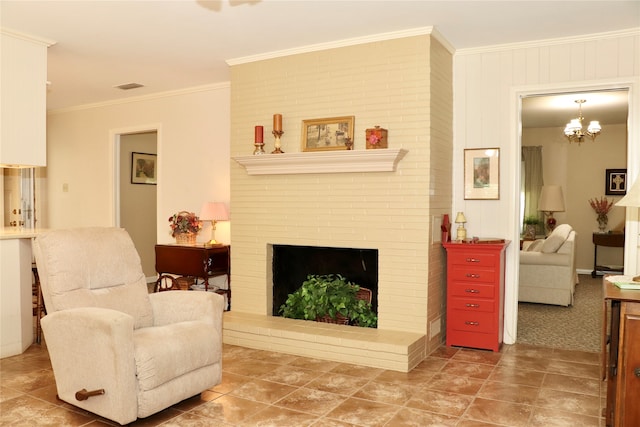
[327, 134]
[482, 174]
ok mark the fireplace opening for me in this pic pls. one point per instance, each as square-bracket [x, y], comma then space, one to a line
[292, 264]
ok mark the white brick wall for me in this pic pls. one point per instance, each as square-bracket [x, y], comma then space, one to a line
[388, 83]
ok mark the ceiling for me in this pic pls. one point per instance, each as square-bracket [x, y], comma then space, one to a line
[171, 45]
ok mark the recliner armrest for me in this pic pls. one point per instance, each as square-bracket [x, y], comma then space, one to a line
[92, 348]
[181, 306]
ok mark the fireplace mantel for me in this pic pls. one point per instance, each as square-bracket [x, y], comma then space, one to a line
[380, 160]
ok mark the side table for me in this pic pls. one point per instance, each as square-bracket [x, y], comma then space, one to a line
[621, 354]
[198, 261]
[615, 240]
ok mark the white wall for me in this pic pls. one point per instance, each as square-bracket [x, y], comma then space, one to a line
[488, 85]
[193, 157]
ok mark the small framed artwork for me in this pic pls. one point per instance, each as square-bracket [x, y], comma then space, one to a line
[143, 168]
[482, 174]
[327, 134]
[615, 182]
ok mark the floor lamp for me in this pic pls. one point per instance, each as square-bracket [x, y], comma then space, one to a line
[632, 200]
[214, 212]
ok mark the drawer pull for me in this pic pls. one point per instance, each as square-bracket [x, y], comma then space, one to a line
[473, 305]
[473, 276]
[470, 323]
[472, 260]
[472, 291]
[636, 372]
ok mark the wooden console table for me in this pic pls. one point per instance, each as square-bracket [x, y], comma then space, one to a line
[615, 240]
[621, 364]
[196, 261]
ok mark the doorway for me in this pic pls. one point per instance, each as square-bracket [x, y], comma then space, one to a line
[577, 168]
[137, 193]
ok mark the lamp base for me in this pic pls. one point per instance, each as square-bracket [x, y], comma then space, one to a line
[551, 222]
[213, 242]
[461, 233]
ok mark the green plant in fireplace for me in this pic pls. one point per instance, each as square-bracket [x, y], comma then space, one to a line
[330, 296]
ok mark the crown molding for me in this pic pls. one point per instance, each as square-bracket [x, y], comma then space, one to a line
[27, 37]
[151, 96]
[335, 44]
[631, 32]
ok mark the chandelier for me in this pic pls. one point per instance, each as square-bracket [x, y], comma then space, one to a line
[573, 130]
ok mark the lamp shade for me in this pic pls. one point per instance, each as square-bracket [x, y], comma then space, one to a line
[460, 218]
[551, 199]
[632, 198]
[214, 211]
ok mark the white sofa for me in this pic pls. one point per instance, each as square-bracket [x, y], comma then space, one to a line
[548, 268]
[140, 353]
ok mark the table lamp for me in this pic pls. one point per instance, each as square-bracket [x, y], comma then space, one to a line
[632, 200]
[551, 200]
[461, 233]
[214, 212]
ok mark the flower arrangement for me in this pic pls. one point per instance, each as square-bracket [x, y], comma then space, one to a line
[184, 222]
[601, 206]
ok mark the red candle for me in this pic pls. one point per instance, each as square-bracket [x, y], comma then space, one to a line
[259, 139]
[277, 122]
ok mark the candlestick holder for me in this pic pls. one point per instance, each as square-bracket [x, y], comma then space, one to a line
[277, 134]
[259, 148]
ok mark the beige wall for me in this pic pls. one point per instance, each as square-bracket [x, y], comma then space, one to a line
[386, 83]
[580, 171]
[193, 157]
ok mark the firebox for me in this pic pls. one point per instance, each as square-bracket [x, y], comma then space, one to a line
[292, 264]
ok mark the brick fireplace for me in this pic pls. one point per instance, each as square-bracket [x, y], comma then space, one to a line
[344, 203]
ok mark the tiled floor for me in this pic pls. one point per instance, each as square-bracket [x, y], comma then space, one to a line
[520, 386]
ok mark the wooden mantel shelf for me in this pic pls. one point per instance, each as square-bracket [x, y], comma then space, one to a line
[380, 160]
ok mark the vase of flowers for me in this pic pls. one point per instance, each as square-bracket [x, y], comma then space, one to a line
[185, 227]
[602, 207]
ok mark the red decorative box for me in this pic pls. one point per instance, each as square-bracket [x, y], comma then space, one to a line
[376, 138]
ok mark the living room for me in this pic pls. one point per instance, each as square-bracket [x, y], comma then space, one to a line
[195, 124]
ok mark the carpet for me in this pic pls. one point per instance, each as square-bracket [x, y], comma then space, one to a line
[576, 327]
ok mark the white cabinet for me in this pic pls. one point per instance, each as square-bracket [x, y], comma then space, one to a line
[23, 92]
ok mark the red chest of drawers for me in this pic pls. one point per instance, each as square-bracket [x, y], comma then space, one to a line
[475, 294]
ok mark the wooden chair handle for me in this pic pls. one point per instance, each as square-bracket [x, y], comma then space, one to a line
[84, 394]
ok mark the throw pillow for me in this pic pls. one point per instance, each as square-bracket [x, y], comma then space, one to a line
[535, 245]
[556, 239]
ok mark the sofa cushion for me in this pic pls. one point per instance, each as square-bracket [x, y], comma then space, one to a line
[163, 353]
[556, 239]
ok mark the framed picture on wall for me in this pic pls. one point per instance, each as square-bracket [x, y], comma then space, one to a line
[143, 168]
[327, 134]
[482, 174]
[615, 182]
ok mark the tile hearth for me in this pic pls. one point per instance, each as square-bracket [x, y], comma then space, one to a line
[521, 385]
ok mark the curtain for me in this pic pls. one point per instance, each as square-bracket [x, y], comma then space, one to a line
[532, 182]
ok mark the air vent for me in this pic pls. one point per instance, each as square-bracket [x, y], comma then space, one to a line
[129, 86]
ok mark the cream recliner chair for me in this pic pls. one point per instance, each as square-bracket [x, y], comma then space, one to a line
[133, 353]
